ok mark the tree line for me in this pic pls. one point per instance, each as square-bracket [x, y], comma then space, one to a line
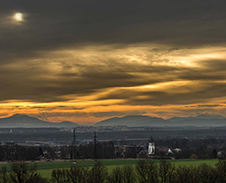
[193, 148]
[145, 171]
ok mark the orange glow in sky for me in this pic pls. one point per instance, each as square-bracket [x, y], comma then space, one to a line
[146, 83]
[85, 62]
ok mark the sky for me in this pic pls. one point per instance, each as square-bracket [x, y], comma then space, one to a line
[88, 60]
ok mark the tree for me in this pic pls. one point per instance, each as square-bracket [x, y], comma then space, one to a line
[78, 174]
[147, 172]
[221, 170]
[128, 174]
[59, 176]
[206, 174]
[187, 174]
[4, 176]
[116, 176]
[24, 173]
[167, 172]
[98, 173]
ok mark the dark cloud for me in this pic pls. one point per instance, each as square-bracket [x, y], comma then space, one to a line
[31, 80]
[196, 94]
[186, 94]
[55, 23]
[203, 106]
[210, 69]
[26, 50]
[35, 85]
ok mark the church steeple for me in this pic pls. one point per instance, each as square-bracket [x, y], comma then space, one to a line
[151, 146]
[151, 139]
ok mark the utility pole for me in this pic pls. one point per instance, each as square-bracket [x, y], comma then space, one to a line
[74, 147]
[94, 144]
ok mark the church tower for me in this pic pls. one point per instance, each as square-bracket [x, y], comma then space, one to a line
[151, 147]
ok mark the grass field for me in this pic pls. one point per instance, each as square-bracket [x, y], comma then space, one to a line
[45, 168]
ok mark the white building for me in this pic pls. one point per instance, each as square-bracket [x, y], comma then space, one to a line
[151, 148]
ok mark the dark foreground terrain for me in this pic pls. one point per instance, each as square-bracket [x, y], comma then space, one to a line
[61, 135]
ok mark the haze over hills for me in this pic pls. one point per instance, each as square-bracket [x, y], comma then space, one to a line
[20, 120]
[131, 120]
[139, 120]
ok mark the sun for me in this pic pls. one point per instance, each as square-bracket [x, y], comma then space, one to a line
[18, 17]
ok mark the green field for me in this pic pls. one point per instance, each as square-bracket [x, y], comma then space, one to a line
[45, 168]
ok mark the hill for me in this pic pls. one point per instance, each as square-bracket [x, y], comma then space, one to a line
[24, 121]
[140, 120]
[131, 120]
[20, 120]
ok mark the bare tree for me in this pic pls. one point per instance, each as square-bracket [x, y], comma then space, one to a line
[4, 176]
[60, 176]
[167, 172]
[78, 174]
[98, 173]
[207, 174]
[24, 173]
[116, 176]
[147, 172]
[187, 174]
[128, 174]
[221, 170]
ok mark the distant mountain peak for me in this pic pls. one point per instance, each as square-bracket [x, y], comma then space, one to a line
[142, 120]
[209, 116]
[19, 115]
[131, 120]
[22, 120]
[140, 116]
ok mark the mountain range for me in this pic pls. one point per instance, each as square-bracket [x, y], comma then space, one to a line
[140, 120]
[20, 120]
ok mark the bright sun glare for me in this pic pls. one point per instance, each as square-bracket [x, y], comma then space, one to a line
[18, 17]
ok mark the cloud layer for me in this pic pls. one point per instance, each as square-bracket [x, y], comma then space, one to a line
[112, 58]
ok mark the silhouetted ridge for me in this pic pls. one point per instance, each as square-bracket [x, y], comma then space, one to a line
[21, 120]
[140, 120]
